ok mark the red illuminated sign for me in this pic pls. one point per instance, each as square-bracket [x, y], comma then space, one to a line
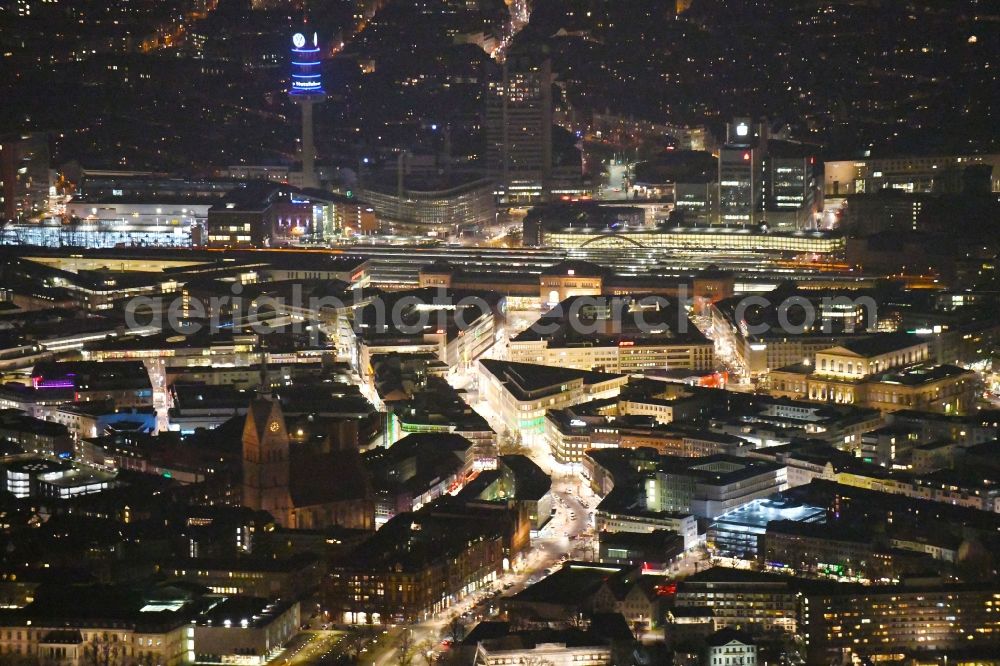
[669, 589]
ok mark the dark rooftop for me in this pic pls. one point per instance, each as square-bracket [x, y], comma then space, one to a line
[575, 267]
[881, 344]
[530, 481]
[574, 583]
[528, 381]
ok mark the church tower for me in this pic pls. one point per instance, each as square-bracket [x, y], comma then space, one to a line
[266, 460]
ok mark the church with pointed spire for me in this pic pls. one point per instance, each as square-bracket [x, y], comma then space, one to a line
[266, 458]
[309, 478]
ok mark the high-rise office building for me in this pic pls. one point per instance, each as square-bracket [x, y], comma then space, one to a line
[763, 180]
[695, 200]
[742, 171]
[519, 129]
[24, 175]
[793, 194]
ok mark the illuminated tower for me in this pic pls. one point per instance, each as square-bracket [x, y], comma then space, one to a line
[307, 89]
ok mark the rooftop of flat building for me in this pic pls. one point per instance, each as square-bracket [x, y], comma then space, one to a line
[439, 408]
[822, 493]
[893, 430]
[760, 512]
[193, 260]
[148, 199]
[424, 311]
[976, 479]
[614, 321]
[33, 276]
[412, 541]
[424, 446]
[527, 381]
[884, 343]
[35, 465]
[277, 565]
[719, 469]
[573, 584]
[657, 539]
[530, 481]
[101, 408]
[90, 375]
[482, 486]
[251, 196]
[17, 421]
[714, 575]
[708, 231]
[985, 450]
[811, 452]
[788, 410]
[243, 612]
[485, 630]
[988, 418]
[622, 501]
[188, 397]
[78, 475]
[320, 398]
[572, 421]
[859, 533]
[922, 374]
[155, 608]
[913, 375]
[575, 268]
[439, 266]
[493, 640]
[736, 581]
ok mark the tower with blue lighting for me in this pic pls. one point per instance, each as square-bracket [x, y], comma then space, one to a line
[306, 90]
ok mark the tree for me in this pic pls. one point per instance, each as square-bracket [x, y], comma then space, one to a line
[406, 649]
[510, 443]
[102, 651]
[425, 650]
[146, 659]
[370, 624]
[454, 630]
[355, 641]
